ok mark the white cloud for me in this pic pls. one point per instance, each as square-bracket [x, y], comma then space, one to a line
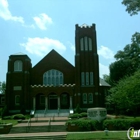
[72, 47]
[42, 21]
[106, 52]
[41, 46]
[6, 14]
[103, 70]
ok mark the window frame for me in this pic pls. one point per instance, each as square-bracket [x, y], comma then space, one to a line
[18, 66]
[17, 99]
[84, 98]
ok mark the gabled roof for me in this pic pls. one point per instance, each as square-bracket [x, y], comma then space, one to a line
[104, 83]
[54, 57]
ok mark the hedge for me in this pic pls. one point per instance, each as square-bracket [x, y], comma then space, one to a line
[76, 115]
[84, 125]
[121, 124]
[18, 116]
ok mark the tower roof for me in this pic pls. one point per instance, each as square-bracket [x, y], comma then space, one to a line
[19, 53]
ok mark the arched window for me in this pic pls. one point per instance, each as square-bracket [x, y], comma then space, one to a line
[90, 98]
[18, 65]
[17, 99]
[53, 77]
[84, 98]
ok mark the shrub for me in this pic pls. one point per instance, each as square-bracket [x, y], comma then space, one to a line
[7, 118]
[18, 116]
[83, 114]
[84, 125]
[135, 123]
[78, 109]
[75, 116]
[117, 124]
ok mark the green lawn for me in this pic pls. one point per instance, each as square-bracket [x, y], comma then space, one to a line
[14, 122]
[97, 136]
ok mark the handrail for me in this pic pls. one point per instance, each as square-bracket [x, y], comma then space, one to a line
[36, 118]
[58, 111]
[53, 117]
[28, 125]
[45, 112]
[49, 126]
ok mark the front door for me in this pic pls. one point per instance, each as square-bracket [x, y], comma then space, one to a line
[53, 101]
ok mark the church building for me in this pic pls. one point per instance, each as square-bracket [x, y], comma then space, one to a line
[53, 83]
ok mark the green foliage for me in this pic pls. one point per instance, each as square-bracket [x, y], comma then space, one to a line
[127, 60]
[121, 124]
[4, 111]
[126, 94]
[83, 114]
[84, 125]
[18, 116]
[132, 6]
[76, 115]
[2, 87]
[78, 109]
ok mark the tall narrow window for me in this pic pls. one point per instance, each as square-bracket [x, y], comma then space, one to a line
[91, 78]
[17, 99]
[82, 78]
[90, 44]
[18, 65]
[81, 44]
[90, 98]
[86, 43]
[84, 98]
[53, 77]
[87, 78]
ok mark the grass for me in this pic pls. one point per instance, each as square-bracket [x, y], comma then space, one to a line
[97, 135]
[14, 122]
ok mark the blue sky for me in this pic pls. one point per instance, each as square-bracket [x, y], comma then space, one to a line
[35, 27]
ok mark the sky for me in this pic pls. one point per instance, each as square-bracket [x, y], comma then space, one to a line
[35, 27]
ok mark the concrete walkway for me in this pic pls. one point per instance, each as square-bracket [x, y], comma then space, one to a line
[33, 134]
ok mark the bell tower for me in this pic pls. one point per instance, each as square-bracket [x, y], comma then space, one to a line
[18, 83]
[87, 66]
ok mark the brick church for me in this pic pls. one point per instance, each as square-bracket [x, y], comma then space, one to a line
[54, 83]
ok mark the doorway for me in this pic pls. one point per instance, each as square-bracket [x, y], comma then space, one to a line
[53, 101]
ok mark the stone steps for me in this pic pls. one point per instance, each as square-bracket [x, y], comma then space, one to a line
[37, 129]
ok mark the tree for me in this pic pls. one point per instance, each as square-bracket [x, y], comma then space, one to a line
[2, 87]
[132, 6]
[126, 94]
[127, 60]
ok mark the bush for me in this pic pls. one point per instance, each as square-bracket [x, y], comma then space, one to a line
[18, 116]
[83, 114]
[84, 125]
[4, 111]
[117, 124]
[75, 116]
[136, 123]
[7, 118]
[78, 109]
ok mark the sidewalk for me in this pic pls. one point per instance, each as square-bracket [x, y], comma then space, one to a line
[33, 134]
